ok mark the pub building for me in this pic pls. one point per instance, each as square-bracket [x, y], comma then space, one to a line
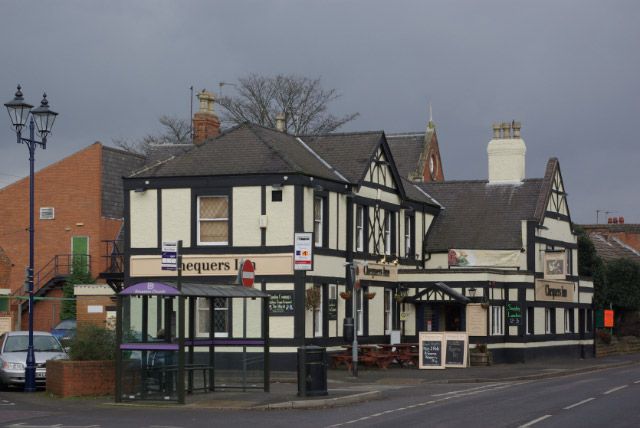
[440, 256]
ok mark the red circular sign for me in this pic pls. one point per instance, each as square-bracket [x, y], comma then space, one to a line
[247, 273]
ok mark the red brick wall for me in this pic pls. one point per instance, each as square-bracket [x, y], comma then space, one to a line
[73, 187]
[46, 313]
[82, 313]
[69, 378]
[205, 126]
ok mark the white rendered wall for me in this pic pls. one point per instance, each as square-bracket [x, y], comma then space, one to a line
[506, 159]
[246, 216]
[176, 215]
[143, 208]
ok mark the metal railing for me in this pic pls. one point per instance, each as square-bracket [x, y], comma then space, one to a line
[114, 258]
[59, 265]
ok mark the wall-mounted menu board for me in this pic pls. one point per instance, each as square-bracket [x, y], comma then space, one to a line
[514, 313]
[333, 310]
[457, 344]
[431, 350]
[280, 302]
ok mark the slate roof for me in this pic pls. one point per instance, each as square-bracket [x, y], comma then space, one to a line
[479, 215]
[415, 193]
[115, 165]
[244, 149]
[406, 149]
[349, 153]
[609, 248]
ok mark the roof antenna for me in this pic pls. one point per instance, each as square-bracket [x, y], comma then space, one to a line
[430, 112]
[191, 117]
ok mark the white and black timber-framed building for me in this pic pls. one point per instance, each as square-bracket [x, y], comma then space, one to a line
[244, 193]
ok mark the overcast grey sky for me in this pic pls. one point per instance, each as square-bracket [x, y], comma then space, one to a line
[568, 70]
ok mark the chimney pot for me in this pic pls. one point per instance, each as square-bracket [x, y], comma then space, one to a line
[516, 129]
[621, 220]
[496, 131]
[610, 220]
[280, 122]
[615, 220]
[506, 129]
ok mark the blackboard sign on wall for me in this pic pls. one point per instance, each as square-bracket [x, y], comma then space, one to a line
[333, 310]
[514, 313]
[280, 302]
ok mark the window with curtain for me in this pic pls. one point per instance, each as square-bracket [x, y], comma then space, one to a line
[213, 220]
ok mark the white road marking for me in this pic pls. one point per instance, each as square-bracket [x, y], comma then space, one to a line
[462, 393]
[638, 381]
[615, 389]
[577, 404]
[535, 421]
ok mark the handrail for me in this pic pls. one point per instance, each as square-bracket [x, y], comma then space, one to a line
[60, 264]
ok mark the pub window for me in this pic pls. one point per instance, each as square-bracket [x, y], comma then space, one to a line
[317, 219]
[359, 228]
[276, 196]
[387, 233]
[220, 317]
[530, 320]
[568, 320]
[213, 220]
[388, 311]
[549, 320]
[569, 262]
[408, 250]
[589, 321]
[496, 320]
[317, 314]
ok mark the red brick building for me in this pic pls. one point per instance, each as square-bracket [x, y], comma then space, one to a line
[78, 206]
[616, 229]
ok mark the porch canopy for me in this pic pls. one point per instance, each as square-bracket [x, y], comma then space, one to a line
[159, 363]
[438, 289]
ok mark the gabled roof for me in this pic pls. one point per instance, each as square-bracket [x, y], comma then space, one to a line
[407, 149]
[481, 215]
[244, 149]
[349, 153]
[610, 247]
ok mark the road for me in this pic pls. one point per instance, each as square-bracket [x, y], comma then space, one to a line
[603, 398]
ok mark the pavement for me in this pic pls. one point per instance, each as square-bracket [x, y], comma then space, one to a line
[343, 389]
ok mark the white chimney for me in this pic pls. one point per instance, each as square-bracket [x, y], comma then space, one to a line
[506, 155]
[280, 122]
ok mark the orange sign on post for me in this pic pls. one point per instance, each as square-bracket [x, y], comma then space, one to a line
[608, 318]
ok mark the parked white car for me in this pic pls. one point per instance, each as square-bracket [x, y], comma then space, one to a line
[13, 356]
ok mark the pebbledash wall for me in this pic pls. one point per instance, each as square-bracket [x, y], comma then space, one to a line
[83, 197]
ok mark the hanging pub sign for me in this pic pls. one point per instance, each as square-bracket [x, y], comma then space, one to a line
[514, 313]
[554, 265]
[280, 302]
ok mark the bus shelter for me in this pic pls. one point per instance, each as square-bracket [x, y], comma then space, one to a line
[172, 340]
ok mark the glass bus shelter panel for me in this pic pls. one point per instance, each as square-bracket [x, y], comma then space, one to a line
[149, 375]
[235, 368]
[133, 321]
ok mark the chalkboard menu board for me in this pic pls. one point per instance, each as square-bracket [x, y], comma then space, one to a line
[280, 302]
[333, 310]
[454, 354]
[514, 313]
[431, 353]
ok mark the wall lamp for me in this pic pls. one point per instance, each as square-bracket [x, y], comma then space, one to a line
[276, 186]
[472, 292]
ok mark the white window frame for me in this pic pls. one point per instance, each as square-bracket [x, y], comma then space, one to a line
[387, 232]
[47, 213]
[200, 333]
[547, 320]
[200, 220]
[318, 221]
[318, 315]
[359, 228]
[496, 321]
[568, 314]
[407, 236]
[388, 310]
[360, 311]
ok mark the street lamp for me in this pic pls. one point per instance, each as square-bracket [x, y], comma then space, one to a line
[42, 118]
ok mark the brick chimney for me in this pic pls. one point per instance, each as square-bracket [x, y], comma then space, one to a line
[205, 123]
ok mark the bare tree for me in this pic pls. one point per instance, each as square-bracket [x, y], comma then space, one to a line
[302, 100]
[175, 130]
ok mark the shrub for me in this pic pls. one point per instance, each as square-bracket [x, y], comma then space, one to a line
[480, 348]
[603, 337]
[92, 342]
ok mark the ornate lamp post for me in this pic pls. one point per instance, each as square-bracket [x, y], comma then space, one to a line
[43, 119]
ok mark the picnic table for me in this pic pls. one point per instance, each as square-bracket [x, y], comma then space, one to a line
[404, 353]
[380, 355]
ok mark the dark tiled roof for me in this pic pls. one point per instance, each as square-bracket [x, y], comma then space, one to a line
[479, 215]
[415, 193]
[406, 149]
[349, 153]
[115, 165]
[609, 248]
[244, 149]
[545, 190]
[161, 152]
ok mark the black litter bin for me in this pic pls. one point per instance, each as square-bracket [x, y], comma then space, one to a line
[316, 370]
[347, 330]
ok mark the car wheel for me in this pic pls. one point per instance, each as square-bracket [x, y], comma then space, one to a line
[3, 386]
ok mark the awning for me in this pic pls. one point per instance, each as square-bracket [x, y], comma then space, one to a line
[438, 289]
[192, 290]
